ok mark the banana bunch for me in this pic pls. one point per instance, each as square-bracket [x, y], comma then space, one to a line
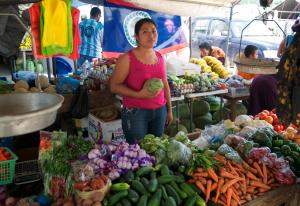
[202, 63]
[217, 66]
[26, 42]
[213, 76]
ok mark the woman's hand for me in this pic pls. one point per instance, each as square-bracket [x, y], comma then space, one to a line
[144, 93]
[169, 119]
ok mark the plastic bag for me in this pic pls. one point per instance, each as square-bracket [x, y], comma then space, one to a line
[67, 85]
[178, 152]
[82, 171]
[229, 153]
[224, 149]
[80, 105]
[247, 132]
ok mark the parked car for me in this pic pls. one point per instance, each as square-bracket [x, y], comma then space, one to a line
[215, 31]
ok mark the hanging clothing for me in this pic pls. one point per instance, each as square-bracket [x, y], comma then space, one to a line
[56, 27]
[288, 108]
[35, 13]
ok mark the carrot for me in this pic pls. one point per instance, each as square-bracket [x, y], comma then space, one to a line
[248, 167]
[270, 181]
[202, 180]
[223, 198]
[214, 186]
[228, 196]
[199, 169]
[200, 186]
[265, 172]
[263, 189]
[257, 167]
[236, 197]
[220, 158]
[212, 174]
[248, 197]
[250, 189]
[251, 176]
[208, 190]
[192, 180]
[241, 169]
[259, 184]
[243, 201]
[200, 174]
[220, 185]
[223, 173]
[232, 168]
[229, 183]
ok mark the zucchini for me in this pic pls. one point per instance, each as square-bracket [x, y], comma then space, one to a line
[153, 184]
[133, 196]
[129, 176]
[144, 171]
[190, 201]
[143, 201]
[125, 202]
[187, 189]
[145, 182]
[155, 199]
[170, 202]
[181, 193]
[164, 192]
[139, 187]
[119, 187]
[165, 170]
[171, 192]
[117, 197]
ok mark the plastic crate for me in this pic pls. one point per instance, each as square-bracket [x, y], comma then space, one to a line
[7, 168]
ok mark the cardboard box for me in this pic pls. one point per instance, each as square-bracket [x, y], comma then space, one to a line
[99, 129]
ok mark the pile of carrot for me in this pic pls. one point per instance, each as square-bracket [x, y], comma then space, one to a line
[235, 183]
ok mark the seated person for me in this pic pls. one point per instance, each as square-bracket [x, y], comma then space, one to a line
[263, 94]
[250, 52]
[207, 50]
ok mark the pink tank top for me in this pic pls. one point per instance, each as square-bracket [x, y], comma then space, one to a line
[138, 74]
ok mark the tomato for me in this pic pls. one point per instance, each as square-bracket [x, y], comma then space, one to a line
[262, 115]
[269, 119]
[274, 111]
[266, 111]
[278, 128]
[81, 185]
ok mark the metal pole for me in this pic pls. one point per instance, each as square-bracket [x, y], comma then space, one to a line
[190, 35]
[33, 43]
[228, 35]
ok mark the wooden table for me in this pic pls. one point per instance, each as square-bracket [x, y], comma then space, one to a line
[232, 103]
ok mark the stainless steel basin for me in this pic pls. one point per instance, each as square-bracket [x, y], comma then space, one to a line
[22, 113]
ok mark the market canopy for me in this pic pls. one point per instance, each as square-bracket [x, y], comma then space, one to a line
[174, 7]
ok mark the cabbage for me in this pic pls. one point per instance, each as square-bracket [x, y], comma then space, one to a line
[178, 152]
[154, 85]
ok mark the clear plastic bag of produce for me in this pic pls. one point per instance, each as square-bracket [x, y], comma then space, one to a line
[229, 152]
[178, 152]
[82, 171]
[247, 132]
[240, 144]
[212, 135]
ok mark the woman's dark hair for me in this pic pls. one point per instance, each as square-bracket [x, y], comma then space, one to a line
[140, 23]
[205, 45]
[95, 11]
[250, 49]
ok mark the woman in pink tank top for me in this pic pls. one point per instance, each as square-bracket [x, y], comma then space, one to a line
[143, 112]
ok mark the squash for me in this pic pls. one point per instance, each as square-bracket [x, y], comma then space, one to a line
[44, 81]
[21, 84]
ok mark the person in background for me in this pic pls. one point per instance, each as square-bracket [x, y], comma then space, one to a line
[207, 50]
[91, 35]
[83, 17]
[250, 52]
[284, 44]
[143, 112]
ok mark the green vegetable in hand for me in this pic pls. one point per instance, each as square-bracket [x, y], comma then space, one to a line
[154, 85]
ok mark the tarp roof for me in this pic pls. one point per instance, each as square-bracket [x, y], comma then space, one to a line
[290, 8]
[175, 7]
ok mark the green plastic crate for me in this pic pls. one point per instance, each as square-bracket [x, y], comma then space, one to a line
[7, 168]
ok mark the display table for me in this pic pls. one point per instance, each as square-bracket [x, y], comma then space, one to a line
[232, 103]
[173, 99]
[191, 96]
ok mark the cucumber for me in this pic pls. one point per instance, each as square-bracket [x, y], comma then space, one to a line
[181, 169]
[133, 196]
[187, 189]
[165, 170]
[145, 182]
[139, 187]
[155, 199]
[153, 184]
[164, 179]
[195, 188]
[164, 192]
[200, 201]
[170, 202]
[129, 176]
[119, 204]
[144, 171]
[190, 201]
[105, 201]
[143, 201]
[171, 192]
[117, 197]
[153, 175]
[126, 202]
[119, 187]
[181, 193]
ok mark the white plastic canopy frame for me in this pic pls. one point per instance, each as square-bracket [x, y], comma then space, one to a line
[183, 7]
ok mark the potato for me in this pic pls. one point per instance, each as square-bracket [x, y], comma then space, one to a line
[60, 201]
[97, 204]
[34, 204]
[10, 201]
[97, 196]
[87, 202]
[68, 203]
